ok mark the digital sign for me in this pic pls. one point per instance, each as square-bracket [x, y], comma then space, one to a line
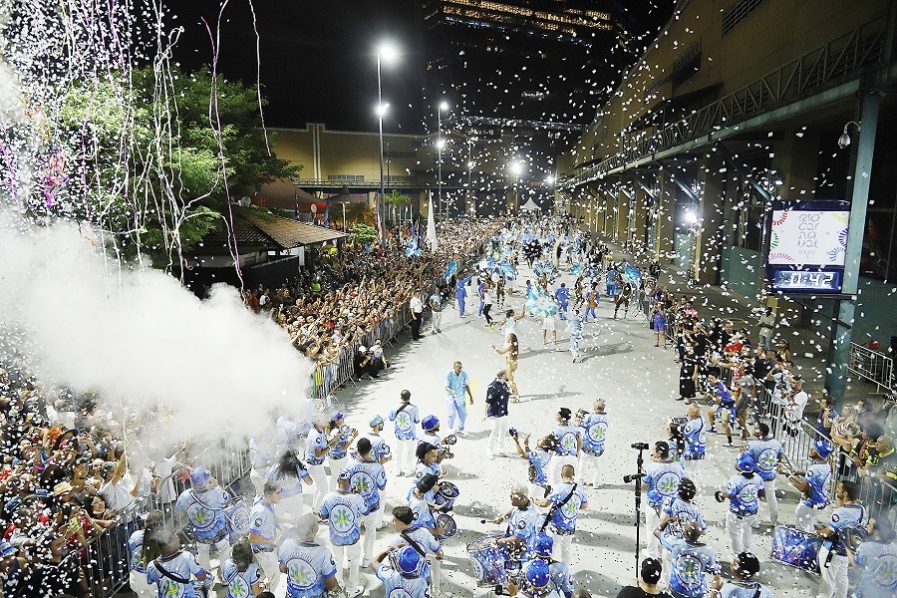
[807, 246]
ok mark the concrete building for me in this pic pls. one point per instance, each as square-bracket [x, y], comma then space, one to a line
[738, 104]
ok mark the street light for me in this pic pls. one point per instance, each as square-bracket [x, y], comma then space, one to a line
[386, 52]
[440, 143]
[516, 167]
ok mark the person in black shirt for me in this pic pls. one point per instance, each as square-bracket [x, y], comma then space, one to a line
[651, 571]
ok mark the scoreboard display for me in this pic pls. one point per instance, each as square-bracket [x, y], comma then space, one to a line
[807, 246]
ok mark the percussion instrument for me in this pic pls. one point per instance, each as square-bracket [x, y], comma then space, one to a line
[796, 548]
[446, 493]
[488, 561]
[237, 517]
[447, 523]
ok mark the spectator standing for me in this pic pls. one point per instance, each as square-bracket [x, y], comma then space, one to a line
[417, 314]
[767, 327]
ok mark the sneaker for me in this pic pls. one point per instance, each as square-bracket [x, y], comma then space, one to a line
[354, 593]
[712, 430]
[729, 445]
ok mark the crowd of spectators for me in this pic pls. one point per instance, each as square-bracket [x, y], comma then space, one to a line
[66, 487]
[354, 290]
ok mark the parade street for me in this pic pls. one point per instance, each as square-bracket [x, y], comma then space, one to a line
[621, 365]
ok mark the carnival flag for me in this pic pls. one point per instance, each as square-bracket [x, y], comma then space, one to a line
[431, 224]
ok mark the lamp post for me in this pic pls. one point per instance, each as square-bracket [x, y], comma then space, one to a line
[386, 52]
[440, 143]
[516, 167]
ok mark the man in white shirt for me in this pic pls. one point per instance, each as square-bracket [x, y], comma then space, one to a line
[797, 401]
[417, 314]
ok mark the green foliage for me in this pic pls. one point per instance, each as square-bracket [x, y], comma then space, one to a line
[397, 199]
[362, 233]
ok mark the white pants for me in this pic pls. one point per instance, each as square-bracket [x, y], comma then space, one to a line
[772, 500]
[222, 553]
[557, 463]
[268, 562]
[694, 471]
[405, 457]
[140, 587]
[563, 548]
[436, 321]
[652, 522]
[575, 339]
[353, 553]
[291, 508]
[498, 430]
[806, 518]
[436, 572]
[740, 532]
[316, 472]
[371, 523]
[336, 466]
[833, 581]
[588, 469]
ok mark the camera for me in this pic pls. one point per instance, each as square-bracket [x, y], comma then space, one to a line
[628, 479]
[640, 446]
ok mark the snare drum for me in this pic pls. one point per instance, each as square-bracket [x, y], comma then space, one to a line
[446, 493]
[237, 517]
[447, 523]
[488, 562]
[797, 548]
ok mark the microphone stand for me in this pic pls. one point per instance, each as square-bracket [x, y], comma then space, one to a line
[637, 478]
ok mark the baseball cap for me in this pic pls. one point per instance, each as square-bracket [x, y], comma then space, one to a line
[337, 415]
[408, 561]
[746, 463]
[651, 570]
[362, 349]
[543, 545]
[824, 448]
[199, 477]
[430, 423]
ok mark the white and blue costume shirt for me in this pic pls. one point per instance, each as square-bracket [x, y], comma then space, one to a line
[684, 512]
[290, 485]
[744, 494]
[204, 512]
[819, 477]
[396, 585]
[316, 440]
[406, 419]
[766, 454]
[343, 511]
[695, 432]
[368, 479]
[263, 522]
[691, 563]
[563, 518]
[182, 564]
[567, 437]
[308, 566]
[594, 427]
[538, 460]
[662, 480]
[879, 576]
[239, 583]
[135, 551]
[744, 589]
[844, 520]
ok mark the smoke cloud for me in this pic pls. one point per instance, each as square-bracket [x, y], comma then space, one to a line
[191, 370]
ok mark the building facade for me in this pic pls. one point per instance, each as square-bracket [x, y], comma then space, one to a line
[738, 104]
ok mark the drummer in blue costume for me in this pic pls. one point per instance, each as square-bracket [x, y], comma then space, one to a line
[343, 510]
[569, 443]
[406, 418]
[877, 558]
[404, 524]
[534, 581]
[241, 574]
[559, 573]
[814, 486]
[744, 492]
[692, 561]
[524, 523]
[309, 567]
[678, 511]
[767, 453]
[264, 529]
[594, 435]
[203, 506]
[539, 460]
[290, 473]
[661, 482]
[746, 568]
[137, 558]
[848, 517]
[695, 433]
[379, 448]
[566, 501]
[368, 478]
[175, 569]
[403, 575]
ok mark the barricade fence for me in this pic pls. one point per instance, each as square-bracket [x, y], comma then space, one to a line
[873, 366]
[798, 437]
[104, 562]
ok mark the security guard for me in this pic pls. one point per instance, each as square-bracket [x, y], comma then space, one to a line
[744, 492]
[309, 567]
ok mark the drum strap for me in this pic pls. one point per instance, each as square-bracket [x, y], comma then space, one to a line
[170, 575]
[413, 544]
[556, 507]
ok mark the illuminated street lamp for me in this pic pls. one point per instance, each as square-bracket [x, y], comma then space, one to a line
[388, 53]
[516, 168]
[440, 143]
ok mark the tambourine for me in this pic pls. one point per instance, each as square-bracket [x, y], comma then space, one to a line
[346, 430]
[718, 495]
[450, 440]
[448, 525]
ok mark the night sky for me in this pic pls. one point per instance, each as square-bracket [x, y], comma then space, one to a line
[317, 60]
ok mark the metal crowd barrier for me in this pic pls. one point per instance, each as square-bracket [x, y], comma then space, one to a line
[871, 365]
[879, 496]
[104, 561]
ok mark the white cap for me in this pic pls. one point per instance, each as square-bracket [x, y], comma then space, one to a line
[362, 348]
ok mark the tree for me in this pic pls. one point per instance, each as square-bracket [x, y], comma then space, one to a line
[396, 201]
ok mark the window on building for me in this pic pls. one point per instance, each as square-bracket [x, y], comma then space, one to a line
[738, 12]
[345, 178]
[685, 67]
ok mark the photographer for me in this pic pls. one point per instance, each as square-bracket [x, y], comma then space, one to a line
[647, 585]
